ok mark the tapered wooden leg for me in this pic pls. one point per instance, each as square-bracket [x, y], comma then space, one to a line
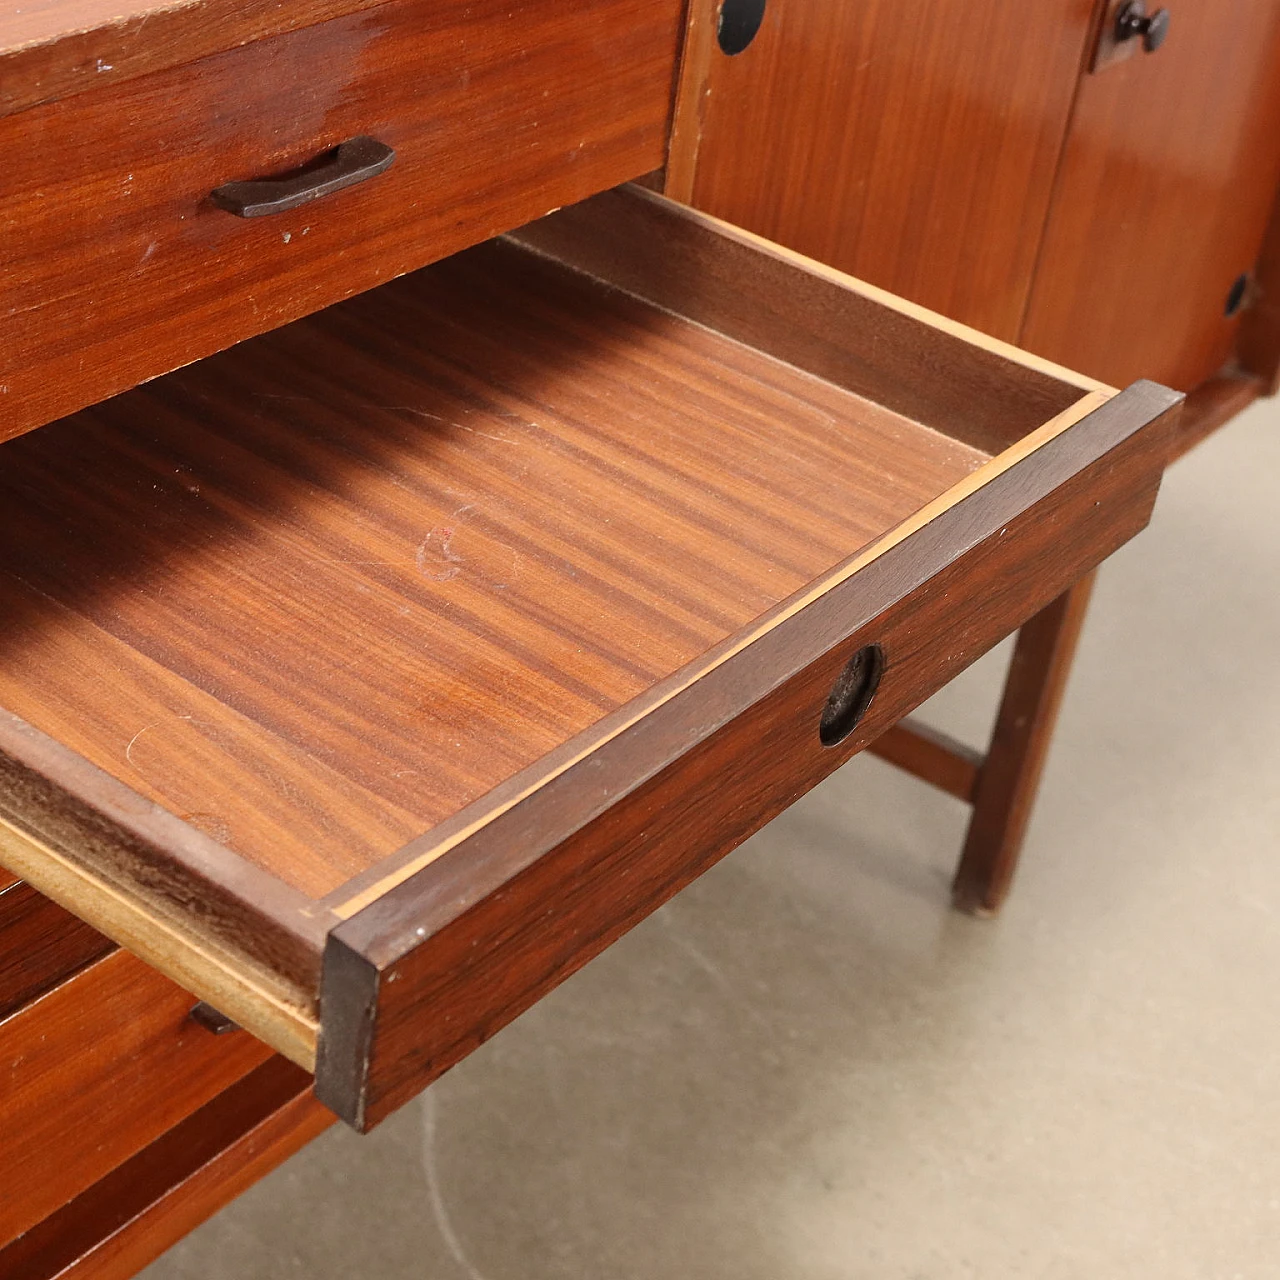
[1009, 777]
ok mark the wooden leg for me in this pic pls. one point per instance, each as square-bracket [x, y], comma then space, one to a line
[1009, 777]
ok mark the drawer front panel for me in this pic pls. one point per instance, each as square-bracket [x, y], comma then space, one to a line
[497, 934]
[116, 266]
[40, 946]
[94, 1071]
[146, 1205]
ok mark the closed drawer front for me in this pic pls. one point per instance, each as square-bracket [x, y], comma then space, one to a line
[41, 945]
[116, 266]
[452, 629]
[93, 1071]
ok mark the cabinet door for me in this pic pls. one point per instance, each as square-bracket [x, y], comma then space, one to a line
[912, 144]
[1166, 185]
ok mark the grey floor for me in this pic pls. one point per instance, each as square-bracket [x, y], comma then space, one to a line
[806, 1066]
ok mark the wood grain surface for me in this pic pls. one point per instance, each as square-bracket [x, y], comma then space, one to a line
[923, 365]
[95, 1070]
[355, 578]
[912, 144]
[1010, 775]
[129, 1217]
[41, 945]
[1167, 183]
[51, 49]
[115, 266]
[431, 968]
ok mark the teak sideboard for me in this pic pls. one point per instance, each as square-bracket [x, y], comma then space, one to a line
[423, 553]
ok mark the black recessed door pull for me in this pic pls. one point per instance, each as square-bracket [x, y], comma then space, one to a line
[354, 161]
[1133, 21]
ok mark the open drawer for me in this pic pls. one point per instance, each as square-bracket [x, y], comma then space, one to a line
[371, 676]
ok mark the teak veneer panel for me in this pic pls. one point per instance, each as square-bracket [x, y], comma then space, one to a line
[51, 49]
[129, 1217]
[94, 1071]
[115, 266]
[1167, 183]
[41, 945]
[914, 146]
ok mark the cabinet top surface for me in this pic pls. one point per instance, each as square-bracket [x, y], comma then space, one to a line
[51, 49]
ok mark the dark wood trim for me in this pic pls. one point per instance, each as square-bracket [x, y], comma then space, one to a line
[1010, 774]
[434, 966]
[128, 1218]
[932, 756]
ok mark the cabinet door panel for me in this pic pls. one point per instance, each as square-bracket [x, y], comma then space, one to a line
[1166, 185]
[912, 144]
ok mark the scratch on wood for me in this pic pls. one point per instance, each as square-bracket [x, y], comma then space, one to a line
[436, 557]
[146, 728]
[451, 422]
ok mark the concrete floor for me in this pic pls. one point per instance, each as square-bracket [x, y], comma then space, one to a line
[806, 1066]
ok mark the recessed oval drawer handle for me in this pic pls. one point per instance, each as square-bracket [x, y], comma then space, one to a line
[851, 695]
[354, 161]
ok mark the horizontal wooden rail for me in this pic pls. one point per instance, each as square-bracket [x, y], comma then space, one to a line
[932, 756]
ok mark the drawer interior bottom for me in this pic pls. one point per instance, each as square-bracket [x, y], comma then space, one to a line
[318, 593]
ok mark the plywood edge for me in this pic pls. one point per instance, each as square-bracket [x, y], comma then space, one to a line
[934, 319]
[216, 924]
[257, 1000]
[51, 791]
[1141, 403]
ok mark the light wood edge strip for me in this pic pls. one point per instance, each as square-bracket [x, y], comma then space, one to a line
[934, 319]
[202, 969]
[691, 89]
[976, 480]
